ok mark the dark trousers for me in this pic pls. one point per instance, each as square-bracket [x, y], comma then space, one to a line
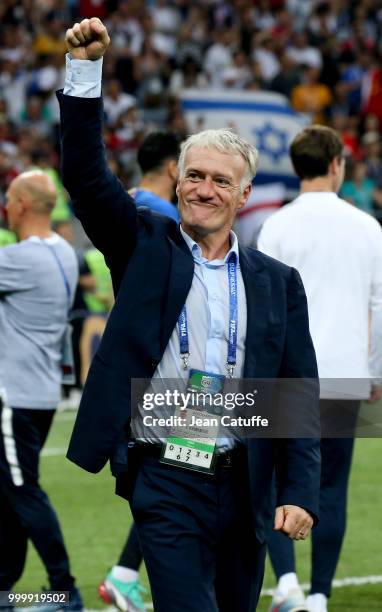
[197, 537]
[25, 510]
[131, 555]
[327, 537]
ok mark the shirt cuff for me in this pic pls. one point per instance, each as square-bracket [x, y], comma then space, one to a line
[83, 77]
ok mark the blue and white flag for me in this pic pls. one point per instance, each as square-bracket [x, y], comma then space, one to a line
[263, 118]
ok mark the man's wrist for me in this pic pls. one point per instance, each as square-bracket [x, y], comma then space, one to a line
[83, 77]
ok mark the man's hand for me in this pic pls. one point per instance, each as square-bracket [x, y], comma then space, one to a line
[87, 40]
[294, 521]
[375, 394]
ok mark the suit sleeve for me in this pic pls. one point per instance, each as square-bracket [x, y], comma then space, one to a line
[298, 459]
[108, 214]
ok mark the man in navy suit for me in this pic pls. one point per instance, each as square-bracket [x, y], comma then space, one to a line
[188, 299]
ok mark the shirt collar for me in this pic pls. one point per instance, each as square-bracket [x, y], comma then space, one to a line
[322, 196]
[53, 239]
[197, 251]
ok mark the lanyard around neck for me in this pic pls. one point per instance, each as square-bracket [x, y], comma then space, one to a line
[232, 327]
[62, 271]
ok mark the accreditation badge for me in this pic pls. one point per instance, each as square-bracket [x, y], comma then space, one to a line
[192, 443]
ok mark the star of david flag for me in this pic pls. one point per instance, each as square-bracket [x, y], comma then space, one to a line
[263, 118]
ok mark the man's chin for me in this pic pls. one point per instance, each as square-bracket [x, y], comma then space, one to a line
[200, 229]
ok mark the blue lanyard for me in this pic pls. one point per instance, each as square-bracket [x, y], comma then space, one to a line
[233, 320]
[62, 271]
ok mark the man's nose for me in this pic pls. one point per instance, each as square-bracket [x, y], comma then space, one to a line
[206, 188]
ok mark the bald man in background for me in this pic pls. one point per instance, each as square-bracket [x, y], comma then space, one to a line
[38, 276]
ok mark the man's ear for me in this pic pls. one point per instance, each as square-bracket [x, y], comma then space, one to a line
[23, 204]
[172, 169]
[244, 196]
[334, 166]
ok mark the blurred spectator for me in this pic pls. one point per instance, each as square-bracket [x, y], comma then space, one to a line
[264, 54]
[127, 136]
[188, 75]
[191, 37]
[264, 18]
[372, 88]
[90, 8]
[348, 128]
[14, 44]
[361, 190]
[218, 58]
[13, 85]
[300, 11]
[6, 237]
[98, 294]
[166, 20]
[350, 81]
[238, 74]
[371, 123]
[36, 116]
[49, 39]
[323, 21]
[287, 78]
[303, 53]
[312, 96]
[116, 101]
[371, 145]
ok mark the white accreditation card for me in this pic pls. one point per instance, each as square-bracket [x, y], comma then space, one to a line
[192, 442]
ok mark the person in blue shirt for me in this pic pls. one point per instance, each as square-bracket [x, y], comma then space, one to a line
[157, 158]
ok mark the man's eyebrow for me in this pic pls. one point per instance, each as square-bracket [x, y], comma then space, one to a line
[213, 174]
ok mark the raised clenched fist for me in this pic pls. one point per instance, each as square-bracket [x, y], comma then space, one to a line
[87, 40]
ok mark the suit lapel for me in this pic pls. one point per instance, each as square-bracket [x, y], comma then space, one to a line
[257, 289]
[179, 284]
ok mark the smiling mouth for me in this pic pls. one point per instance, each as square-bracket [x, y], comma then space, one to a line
[205, 204]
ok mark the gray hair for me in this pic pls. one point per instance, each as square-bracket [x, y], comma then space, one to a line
[226, 141]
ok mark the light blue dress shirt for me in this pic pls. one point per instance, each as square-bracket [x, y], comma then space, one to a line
[207, 308]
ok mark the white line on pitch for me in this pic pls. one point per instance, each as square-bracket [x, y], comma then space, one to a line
[338, 583]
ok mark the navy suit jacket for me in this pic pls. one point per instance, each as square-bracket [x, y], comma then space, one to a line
[152, 271]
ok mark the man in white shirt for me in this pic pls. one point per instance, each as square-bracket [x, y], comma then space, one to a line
[338, 251]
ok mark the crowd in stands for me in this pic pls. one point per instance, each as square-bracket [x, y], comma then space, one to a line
[324, 56]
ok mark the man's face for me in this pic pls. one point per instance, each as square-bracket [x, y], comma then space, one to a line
[209, 193]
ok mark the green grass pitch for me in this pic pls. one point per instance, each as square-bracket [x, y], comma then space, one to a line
[95, 523]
